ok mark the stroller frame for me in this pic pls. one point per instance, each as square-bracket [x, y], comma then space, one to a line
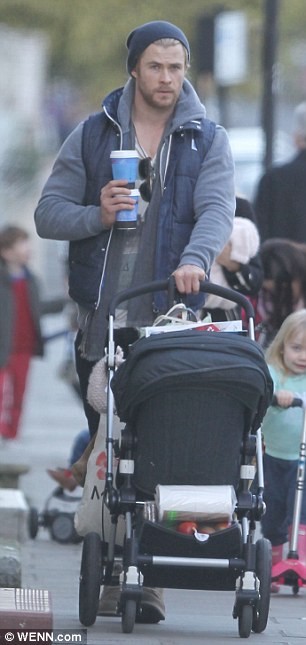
[247, 570]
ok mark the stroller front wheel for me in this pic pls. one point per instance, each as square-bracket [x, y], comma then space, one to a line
[245, 621]
[129, 616]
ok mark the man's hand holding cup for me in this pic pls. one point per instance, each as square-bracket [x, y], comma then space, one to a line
[119, 198]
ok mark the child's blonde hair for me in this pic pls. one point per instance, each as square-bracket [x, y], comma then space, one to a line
[294, 323]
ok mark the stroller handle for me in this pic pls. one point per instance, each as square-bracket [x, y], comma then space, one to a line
[296, 402]
[169, 285]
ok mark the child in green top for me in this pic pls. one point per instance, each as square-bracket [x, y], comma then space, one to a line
[282, 426]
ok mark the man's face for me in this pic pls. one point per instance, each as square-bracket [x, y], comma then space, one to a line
[159, 75]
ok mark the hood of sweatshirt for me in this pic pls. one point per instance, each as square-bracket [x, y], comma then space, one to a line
[188, 110]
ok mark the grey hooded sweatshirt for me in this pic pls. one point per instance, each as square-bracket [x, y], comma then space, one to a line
[61, 213]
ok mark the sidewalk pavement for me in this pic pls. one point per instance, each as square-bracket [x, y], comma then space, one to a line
[52, 417]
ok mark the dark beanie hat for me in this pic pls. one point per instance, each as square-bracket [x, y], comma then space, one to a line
[141, 37]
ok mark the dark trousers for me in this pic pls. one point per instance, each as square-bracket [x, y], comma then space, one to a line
[280, 480]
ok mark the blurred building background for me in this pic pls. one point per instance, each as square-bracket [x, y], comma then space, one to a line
[58, 60]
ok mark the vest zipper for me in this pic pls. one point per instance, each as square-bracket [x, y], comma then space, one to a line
[116, 124]
[103, 271]
[163, 175]
[111, 233]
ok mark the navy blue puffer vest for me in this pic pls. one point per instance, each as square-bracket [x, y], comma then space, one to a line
[176, 218]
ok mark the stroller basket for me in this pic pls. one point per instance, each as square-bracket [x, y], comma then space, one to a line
[157, 541]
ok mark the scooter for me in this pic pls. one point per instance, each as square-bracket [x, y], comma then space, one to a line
[291, 571]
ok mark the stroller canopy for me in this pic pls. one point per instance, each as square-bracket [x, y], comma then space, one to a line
[224, 361]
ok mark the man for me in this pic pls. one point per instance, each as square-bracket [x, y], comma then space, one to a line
[191, 183]
[192, 205]
[280, 202]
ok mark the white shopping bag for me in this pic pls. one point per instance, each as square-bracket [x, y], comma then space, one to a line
[179, 317]
[88, 516]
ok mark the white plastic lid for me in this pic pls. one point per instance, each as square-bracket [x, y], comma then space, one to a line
[123, 154]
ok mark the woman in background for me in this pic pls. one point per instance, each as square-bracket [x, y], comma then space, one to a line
[284, 285]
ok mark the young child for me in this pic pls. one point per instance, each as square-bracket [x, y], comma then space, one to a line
[20, 333]
[228, 268]
[282, 427]
[284, 285]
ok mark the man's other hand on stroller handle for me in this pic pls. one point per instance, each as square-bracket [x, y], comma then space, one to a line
[188, 278]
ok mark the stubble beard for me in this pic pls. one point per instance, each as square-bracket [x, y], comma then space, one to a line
[157, 104]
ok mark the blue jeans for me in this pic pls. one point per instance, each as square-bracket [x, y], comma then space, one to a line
[279, 494]
[80, 443]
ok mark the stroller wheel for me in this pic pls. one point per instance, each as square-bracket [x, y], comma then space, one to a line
[129, 616]
[90, 577]
[62, 528]
[33, 522]
[263, 572]
[245, 621]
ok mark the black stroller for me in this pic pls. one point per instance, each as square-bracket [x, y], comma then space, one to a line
[192, 402]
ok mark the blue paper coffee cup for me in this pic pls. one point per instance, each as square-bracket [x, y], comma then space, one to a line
[125, 165]
[126, 218]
